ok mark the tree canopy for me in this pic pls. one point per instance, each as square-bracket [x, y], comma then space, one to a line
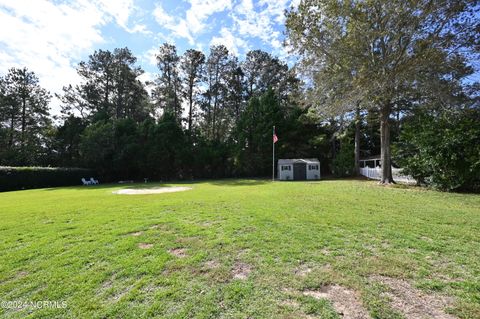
[377, 76]
[374, 54]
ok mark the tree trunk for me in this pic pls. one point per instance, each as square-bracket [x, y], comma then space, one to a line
[357, 141]
[178, 114]
[24, 120]
[334, 147]
[385, 152]
[214, 135]
[12, 129]
[190, 110]
[333, 140]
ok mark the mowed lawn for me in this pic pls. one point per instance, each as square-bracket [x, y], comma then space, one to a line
[241, 249]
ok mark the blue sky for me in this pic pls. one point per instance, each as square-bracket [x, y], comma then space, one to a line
[51, 37]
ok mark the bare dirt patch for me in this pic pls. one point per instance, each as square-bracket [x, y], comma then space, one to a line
[207, 223]
[241, 270]
[145, 246]
[413, 303]
[178, 252]
[120, 294]
[136, 234]
[211, 264]
[346, 302]
[155, 190]
[303, 270]
[326, 252]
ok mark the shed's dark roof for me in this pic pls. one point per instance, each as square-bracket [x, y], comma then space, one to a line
[298, 160]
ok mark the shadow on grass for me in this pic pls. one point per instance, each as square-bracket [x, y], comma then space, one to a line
[140, 185]
[110, 185]
[238, 182]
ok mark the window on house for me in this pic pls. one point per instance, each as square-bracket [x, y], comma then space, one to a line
[312, 167]
[286, 167]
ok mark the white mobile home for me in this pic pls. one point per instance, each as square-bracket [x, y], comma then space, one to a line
[298, 169]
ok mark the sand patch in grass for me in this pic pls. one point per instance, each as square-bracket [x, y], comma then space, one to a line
[155, 190]
[241, 270]
[178, 252]
[346, 302]
[413, 303]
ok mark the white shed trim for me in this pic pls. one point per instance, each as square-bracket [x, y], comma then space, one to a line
[286, 169]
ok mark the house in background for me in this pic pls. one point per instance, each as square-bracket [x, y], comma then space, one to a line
[298, 169]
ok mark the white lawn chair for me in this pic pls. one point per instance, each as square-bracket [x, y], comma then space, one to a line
[85, 182]
[93, 181]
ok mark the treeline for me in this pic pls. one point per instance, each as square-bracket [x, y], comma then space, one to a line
[410, 64]
[205, 117]
[212, 117]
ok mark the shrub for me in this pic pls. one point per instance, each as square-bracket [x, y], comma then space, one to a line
[442, 150]
[343, 164]
[15, 178]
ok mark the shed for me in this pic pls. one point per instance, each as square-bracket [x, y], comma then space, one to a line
[298, 169]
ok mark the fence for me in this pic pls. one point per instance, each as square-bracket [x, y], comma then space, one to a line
[376, 173]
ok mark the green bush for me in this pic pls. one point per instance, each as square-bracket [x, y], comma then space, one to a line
[442, 150]
[15, 178]
[343, 164]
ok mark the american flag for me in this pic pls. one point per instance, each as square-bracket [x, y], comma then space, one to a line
[275, 137]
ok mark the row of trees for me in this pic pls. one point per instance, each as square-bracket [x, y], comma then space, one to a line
[387, 57]
[375, 74]
[24, 117]
[205, 117]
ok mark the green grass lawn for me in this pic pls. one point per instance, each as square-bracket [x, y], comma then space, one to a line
[237, 249]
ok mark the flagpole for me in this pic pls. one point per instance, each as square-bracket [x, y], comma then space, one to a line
[273, 155]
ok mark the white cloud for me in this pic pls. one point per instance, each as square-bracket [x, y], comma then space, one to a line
[162, 17]
[49, 38]
[177, 26]
[229, 40]
[194, 22]
[260, 20]
[200, 10]
[150, 56]
[120, 10]
[139, 28]
[276, 9]
[147, 78]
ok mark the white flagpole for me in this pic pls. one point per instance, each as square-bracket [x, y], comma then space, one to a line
[273, 155]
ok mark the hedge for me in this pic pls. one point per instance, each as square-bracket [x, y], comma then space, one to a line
[15, 178]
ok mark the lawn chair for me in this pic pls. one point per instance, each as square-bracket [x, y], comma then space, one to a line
[85, 182]
[93, 181]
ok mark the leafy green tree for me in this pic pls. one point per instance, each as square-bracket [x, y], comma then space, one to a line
[167, 94]
[235, 94]
[343, 164]
[192, 69]
[97, 147]
[163, 145]
[67, 141]
[254, 134]
[24, 116]
[442, 149]
[215, 95]
[110, 88]
[262, 71]
[379, 52]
